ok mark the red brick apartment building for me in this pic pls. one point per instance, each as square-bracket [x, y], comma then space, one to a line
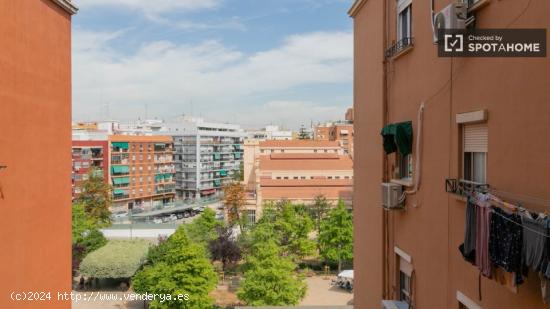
[484, 120]
[295, 170]
[35, 133]
[86, 155]
[141, 171]
[339, 131]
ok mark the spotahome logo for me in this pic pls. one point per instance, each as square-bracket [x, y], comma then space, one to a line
[492, 43]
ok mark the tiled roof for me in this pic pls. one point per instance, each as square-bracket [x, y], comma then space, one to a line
[286, 162]
[264, 182]
[307, 193]
[302, 156]
[298, 144]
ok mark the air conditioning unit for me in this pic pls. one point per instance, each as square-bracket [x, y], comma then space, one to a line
[452, 16]
[394, 304]
[391, 195]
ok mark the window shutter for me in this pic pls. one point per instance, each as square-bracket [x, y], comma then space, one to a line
[475, 138]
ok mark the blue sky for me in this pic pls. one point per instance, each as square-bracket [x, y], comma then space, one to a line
[253, 62]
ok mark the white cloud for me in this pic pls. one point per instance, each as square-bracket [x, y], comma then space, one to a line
[216, 78]
[153, 6]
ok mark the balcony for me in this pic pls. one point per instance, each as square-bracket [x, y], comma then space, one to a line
[463, 187]
[399, 47]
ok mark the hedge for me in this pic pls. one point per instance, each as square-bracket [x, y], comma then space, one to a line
[117, 259]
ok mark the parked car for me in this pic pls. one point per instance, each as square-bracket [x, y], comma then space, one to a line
[186, 214]
[157, 220]
[179, 215]
[344, 280]
[172, 217]
[120, 215]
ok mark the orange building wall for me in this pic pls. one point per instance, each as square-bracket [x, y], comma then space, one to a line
[513, 90]
[367, 214]
[35, 144]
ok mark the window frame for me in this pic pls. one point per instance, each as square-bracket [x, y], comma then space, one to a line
[404, 6]
[400, 168]
[471, 176]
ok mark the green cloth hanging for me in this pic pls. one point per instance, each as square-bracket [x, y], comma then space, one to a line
[398, 137]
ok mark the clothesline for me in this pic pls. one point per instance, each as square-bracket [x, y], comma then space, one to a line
[519, 224]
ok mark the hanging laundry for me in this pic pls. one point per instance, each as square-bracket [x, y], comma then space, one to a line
[483, 219]
[468, 248]
[506, 242]
[535, 233]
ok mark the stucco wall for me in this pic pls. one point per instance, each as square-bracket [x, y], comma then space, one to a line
[513, 90]
[35, 144]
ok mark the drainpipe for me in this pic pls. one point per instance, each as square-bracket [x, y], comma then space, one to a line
[385, 215]
[418, 150]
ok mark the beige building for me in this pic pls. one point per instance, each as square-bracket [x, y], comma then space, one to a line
[476, 120]
[296, 170]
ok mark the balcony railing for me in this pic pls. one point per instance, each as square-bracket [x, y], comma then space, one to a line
[398, 47]
[464, 187]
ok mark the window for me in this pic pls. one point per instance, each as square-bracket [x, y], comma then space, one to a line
[405, 280]
[404, 166]
[474, 146]
[251, 216]
[404, 19]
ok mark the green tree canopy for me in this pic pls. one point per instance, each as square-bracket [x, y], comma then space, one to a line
[86, 237]
[269, 278]
[336, 237]
[182, 268]
[203, 229]
[96, 198]
[292, 226]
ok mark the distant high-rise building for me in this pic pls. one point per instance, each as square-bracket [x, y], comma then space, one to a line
[270, 132]
[207, 156]
[339, 131]
[88, 154]
[141, 171]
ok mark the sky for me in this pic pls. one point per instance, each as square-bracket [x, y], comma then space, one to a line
[251, 62]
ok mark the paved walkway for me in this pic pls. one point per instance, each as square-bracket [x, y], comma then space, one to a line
[320, 293]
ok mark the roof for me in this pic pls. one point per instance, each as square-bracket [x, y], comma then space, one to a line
[140, 138]
[292, 162]
[313, 156]
[67, 5]
[357, 5]
[298, 144]
[265, 182]
[306, 193]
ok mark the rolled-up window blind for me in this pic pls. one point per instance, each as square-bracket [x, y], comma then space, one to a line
[475, 138]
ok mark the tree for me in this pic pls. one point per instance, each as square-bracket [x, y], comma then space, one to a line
[203, 229]
[292, 226]
[234, 201]
[86, 236]
[336, 237]
[96, 198]
[269, 279]
[224, 248]
[319, 210]
[303, 134]
[183, 269]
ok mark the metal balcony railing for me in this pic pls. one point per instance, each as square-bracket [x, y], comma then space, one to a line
[399, 46]
[464, 187]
